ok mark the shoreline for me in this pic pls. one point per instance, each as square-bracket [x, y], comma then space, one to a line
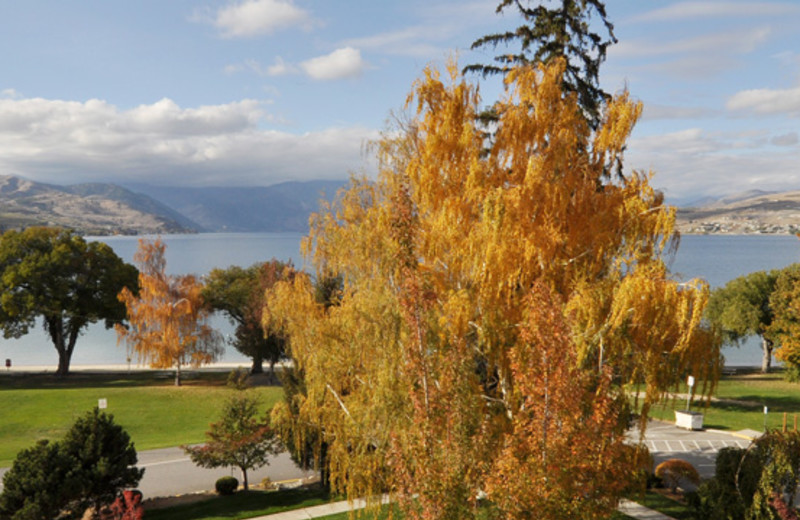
[226, 366]
[223, 366]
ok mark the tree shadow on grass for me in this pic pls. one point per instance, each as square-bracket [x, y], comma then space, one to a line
[28, 381]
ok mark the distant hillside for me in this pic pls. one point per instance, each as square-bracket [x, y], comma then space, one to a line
[750, 212]
[280, 207]
[90, 209]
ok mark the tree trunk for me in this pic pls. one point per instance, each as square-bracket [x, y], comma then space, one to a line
[245, 483]
[55, 329]
[766, 360]
[258, 365]
[63, 362]
[178, 373]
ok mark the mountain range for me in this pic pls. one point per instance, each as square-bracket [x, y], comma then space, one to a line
[103, 209]
[753, 211]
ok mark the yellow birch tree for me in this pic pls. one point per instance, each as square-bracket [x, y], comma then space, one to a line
[476, 283]
[168, 318]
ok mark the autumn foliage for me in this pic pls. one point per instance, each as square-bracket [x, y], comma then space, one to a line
[673, 471]
[128, 506]
[496, 306]
[167, 319]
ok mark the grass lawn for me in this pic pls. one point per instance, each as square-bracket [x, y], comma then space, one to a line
[241, 505]
[154, 412]
[742, 401]
[666, 505]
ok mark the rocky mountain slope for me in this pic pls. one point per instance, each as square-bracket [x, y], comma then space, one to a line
[103, 209]
[750, 212]
[90, 209]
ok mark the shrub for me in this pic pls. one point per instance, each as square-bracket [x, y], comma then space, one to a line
[127, 506]
[672, 471]
[86, 469]
[226, 485]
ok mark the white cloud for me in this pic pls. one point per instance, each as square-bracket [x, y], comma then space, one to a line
[341, 63]
[162, 143]
[281, 68]
[694, 162]
[411, 41]
[259, 17]
[716, 10]
[730, 41]
[654, 112]
[788, 139]
[767, 101]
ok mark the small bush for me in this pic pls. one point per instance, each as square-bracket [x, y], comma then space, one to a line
[791, 373]
[239, 379]
[672, 471]
[226, 485]
[267, 483]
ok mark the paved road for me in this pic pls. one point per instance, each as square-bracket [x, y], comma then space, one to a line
[170, 472]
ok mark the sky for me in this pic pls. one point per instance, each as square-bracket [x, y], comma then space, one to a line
[256, 92]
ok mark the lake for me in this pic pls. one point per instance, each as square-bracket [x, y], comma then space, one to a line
[715, 258]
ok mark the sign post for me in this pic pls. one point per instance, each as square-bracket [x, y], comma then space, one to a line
[689, 382]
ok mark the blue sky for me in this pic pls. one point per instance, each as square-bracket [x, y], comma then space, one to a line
[254, 92]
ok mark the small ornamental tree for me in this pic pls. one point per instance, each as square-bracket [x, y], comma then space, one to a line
[240, 439]
[673, 471]
[168, 318]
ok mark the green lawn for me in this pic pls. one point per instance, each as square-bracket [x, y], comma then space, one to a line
[241, 505]
[743, 400]
[666, 505]
[154, 412]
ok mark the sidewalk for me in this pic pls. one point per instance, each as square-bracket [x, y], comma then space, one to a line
[627, 507]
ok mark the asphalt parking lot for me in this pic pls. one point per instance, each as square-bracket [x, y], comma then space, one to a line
[700, 447]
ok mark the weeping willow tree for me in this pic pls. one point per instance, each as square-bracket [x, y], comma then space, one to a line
[495, 308]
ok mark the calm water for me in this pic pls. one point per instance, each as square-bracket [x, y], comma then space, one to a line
[717, 259]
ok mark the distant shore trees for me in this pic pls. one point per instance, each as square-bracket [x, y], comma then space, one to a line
[240, 294]
[764, 304]
[54, 275]
[742, 308]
